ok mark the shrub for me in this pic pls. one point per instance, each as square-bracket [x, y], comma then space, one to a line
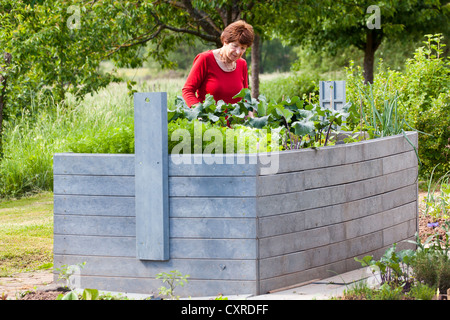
[432, 269]
[423, 99]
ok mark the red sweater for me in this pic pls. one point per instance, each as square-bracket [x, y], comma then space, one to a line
[207, 77]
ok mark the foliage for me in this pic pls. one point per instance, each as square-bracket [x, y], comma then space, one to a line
[173, 278]
[437, 203]
[432, 263]
[302, 125]
[50, 53]
[394, 267]
[109, 139]
[418, 272]
[422, 94]
[87, 294]
[204, 137]
[66, 272]
[433, 270]
[422, 291]
[340, 24]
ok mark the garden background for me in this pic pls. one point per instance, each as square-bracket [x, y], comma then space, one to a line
[69, 68]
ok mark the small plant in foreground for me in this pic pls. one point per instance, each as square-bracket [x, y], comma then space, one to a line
[88, 294]
[422, 291]
[394, 267]
[67, 272]
[173, 278]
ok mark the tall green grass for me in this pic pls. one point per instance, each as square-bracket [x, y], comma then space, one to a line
[31, 140]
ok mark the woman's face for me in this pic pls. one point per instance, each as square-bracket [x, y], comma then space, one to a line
[234, 50]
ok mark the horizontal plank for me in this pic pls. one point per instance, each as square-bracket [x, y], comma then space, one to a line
[199, 228]
[179, 165]
[328, 196]
[213, 228]
[178, 186]
[310, 238]
[212, 186]
[280, 183]
[93, 164]
[94, 205]
[212, 269]
[323, 271]
[342, 174]
[200, 207]
[239, 207]
[94, 225]
[305, 159]
[323, 255]
[179, 248]
[318, 256]
[213, 165]
[323, 216]
[94, 185]
[398, 162]
[298, 278]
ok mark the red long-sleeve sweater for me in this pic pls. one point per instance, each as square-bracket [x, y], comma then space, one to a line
[207, 77]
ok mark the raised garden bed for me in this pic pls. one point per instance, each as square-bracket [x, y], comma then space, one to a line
[235, 226]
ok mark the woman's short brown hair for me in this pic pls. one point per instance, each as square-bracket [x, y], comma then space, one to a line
[239, 31]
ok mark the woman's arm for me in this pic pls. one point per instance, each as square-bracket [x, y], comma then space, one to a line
[194, 80]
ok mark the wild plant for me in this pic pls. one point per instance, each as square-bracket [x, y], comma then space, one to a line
[174, 279]
[438, 205]
[67, 272]
[393, 267]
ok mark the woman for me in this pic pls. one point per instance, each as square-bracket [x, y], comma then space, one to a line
[221, 72]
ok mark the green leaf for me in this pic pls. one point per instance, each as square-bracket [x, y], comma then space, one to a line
[70, 296]
[259, 122]
[245, 93]
[303, 128]
[90, 294]
[283, 112]
[262, 107]
[213, 117]
[365, 261]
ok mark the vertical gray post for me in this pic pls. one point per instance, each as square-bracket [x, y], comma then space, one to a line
[332, 94]
[151, 176]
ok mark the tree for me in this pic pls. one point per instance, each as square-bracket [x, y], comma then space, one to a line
[361, 23]
[58, 45]
[51, 54]
[167, 23]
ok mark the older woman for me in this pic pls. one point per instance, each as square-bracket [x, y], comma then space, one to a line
[221, 72]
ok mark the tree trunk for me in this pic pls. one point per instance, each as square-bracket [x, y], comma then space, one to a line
[373, 41]
[256, 57]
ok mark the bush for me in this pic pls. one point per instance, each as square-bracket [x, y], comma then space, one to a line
[299, 84]
[423, 90]
[432, 269]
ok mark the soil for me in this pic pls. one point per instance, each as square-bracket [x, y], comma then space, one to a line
[40, 285]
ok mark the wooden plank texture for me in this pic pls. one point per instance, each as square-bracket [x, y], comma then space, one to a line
[151, 176]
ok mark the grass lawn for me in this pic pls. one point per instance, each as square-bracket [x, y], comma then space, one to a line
[26, 234]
